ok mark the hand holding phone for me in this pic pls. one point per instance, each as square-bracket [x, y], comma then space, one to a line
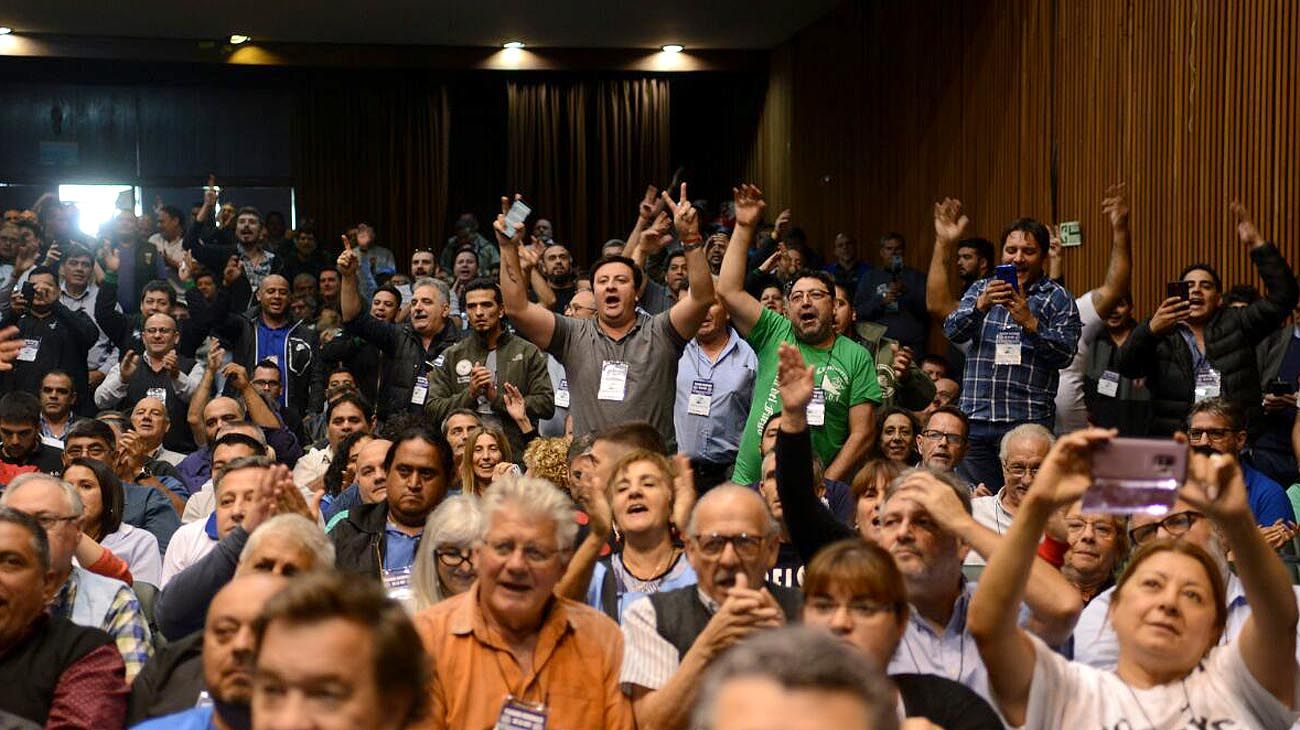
[1007, 273]
[1180, 289]
[1136, 476]
[516, 216]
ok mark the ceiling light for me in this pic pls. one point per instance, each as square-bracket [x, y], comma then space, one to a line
[5, 30]
[512, 45]
[674, 48]
[236, 39]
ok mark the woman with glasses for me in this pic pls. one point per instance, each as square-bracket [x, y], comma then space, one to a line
[1097, 544]
[443, 567]
[896, 430]
[649, 560]
[101, 522]
[1169, 611]
[487, 456]
[854, 590]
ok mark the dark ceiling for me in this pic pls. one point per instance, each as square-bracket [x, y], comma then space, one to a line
[712, 24]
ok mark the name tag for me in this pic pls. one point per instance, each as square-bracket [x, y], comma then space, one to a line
[1109, 384]
[28, 353]
[1207, 384]
[613, 381]
[817, 408]
[421, 390]
[1007, 348]
[562, 394]
[517, 714]
[159, 393]
[397, 583]
[700, 398]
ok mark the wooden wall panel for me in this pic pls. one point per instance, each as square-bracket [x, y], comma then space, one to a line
[1033, 107]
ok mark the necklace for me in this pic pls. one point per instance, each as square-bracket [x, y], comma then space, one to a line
[659, 568]
[1185, 709]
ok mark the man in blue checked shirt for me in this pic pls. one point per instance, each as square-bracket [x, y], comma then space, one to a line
[1019, 338]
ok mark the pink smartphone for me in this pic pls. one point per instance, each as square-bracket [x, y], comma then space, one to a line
[1136, 476]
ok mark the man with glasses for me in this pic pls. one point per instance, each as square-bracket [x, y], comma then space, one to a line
[509, 648]
[1022, 451]
[842, 412]
[1216, 425]
[671, 637]
[942, 442]
[161, 372]
[1094, 637]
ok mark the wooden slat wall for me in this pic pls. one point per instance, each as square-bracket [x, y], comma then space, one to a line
[1191, 102]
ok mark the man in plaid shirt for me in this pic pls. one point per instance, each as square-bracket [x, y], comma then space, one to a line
[83, 597]
[1019, 338]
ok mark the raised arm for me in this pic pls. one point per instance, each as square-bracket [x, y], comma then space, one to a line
[688, 313]
[647, 211]
[950, 226]
[741, 305]
[1267, 642]
[203, 394]
[349, 290]
[1007, 652]
[259, 412]
[1118, 272]
[1262, 317]
[534, 321]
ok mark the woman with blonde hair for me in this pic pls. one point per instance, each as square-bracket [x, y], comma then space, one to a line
[487, 456]
[443, 566]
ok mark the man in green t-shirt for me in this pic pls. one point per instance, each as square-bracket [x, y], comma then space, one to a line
[842, 412]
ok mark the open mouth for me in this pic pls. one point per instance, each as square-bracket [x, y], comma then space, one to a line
[636, 509]
[516, 588]
[807, 318]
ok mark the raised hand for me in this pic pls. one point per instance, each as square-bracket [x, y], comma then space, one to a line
[215, 354]
[1247, 232]
[1215, 488]
[528, 258]
[996, 291]
[902, 360]
[130, 365]
[503, 468]
[650, 205]
[514, 400]
[210, 192]
[1115, 206]
[236, 375]
[185, 269]
[504, 237]
[171, 363]
[684, 493]
[1067, 471]
[347, 262]
[655, 237]
[53, 255]
[782, 225]
[794, 379]
[950, 223]
[1170, 312]
[10, 345]
[233, 271]
[110, 257]
[748, 203]
[685, 216]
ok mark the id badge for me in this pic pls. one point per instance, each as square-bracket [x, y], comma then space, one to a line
[562, 394]
[817, 408]
[1109, 384]
[1207, 384]
[159, 393]
[517, 714]
[1007, 346]
[701, 397]
[28, 353]
[421, 390]
[397, 583]
[613, 381]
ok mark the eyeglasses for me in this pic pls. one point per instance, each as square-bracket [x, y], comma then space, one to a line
[1215, 434]
[49, 522]
[953, 439]
[1104, 529]
[94, 451]
[812, 295]
[1019, 470]
[452, 558]
[858, 609]
[578, 308]
[532, 553]
[1176, 525]
[746, 546]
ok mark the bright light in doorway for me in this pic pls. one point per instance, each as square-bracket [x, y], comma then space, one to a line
[96, 204]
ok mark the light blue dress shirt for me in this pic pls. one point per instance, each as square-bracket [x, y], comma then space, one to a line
[716, 437]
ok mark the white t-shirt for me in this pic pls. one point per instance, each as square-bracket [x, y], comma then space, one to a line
[189, 544]
[988, 511]
[1220, 693]
[1071, 410]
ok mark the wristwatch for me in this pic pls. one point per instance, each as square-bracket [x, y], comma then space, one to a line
[145, 473]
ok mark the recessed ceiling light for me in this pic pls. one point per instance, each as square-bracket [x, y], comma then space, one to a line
[674, 48]
[237, 38]
[513, 45]
[5, 30]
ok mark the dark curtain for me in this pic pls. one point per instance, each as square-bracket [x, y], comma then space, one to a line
[376, 153]
[588, 184]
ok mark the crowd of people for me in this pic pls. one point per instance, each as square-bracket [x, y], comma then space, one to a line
[251, 479]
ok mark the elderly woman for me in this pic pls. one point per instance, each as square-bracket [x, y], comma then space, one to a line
[101, 519]
[853, 590]
[1097, 545]
[487, 456]
[1168, 611]
[640, 493]
[444, 565]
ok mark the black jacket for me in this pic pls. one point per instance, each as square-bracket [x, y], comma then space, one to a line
[124, 330]
[359, 540]
[306, 391]
[1230, 339]
[65, 338]
[405, 358]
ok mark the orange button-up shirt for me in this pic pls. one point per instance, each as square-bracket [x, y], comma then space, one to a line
[575, 670]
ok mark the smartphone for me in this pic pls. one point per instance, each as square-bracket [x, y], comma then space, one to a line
[516, 216]
[1136, 476]
[1279, 386]
[29, 292]
[1007, 273]
[1180, 289]
[1071, 234]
